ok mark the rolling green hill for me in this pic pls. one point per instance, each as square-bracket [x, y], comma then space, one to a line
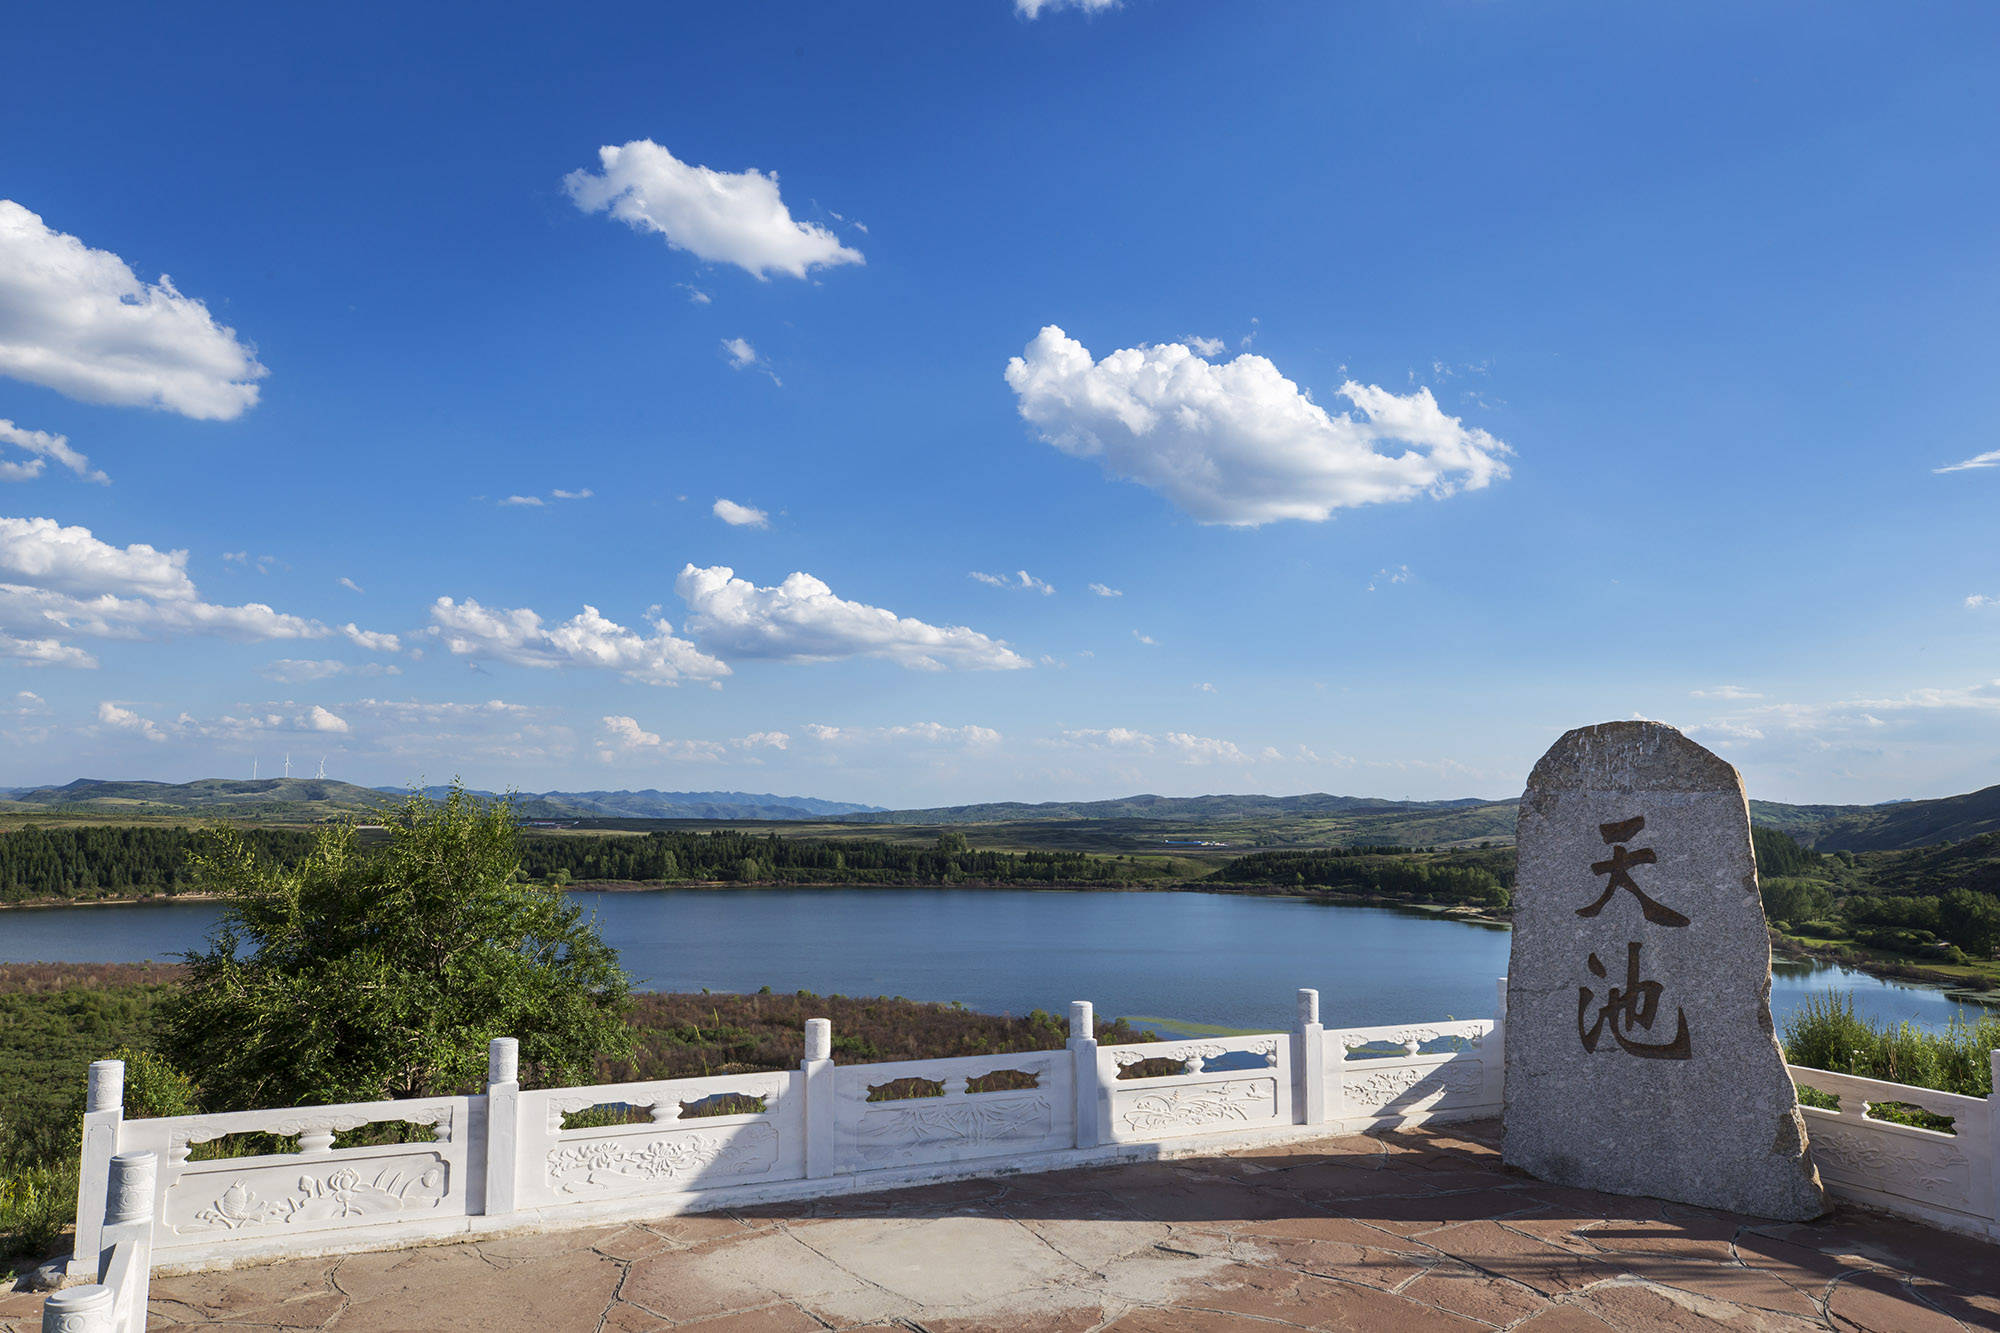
[218, 798]
[1871, 828]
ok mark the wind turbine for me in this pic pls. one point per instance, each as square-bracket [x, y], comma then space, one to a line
[322, 766]
[288, 763]
[253, 768]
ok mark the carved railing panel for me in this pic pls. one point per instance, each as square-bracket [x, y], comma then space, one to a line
[1412, 1071]
[958, 1125]
[1855, 1153]
[1223, 1085]
[673, 1151]
[318, 1187]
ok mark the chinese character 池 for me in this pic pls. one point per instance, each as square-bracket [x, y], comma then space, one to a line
[1631, 1006]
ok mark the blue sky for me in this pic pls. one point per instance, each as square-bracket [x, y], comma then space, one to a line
[1424, 380]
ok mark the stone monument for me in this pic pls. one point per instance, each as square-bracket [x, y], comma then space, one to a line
[1640, 1053]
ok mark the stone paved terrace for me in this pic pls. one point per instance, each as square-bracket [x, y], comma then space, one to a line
[1417, 1230]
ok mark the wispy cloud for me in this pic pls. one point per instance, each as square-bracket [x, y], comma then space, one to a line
[1724, 692]
[1386, 577]
[1022, 579]
[742, 356]
[1034, 9]
[1991, 458]
[41, 447]
[1103, 591]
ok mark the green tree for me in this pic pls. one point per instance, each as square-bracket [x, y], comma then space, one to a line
[353, 978]
[952, 843]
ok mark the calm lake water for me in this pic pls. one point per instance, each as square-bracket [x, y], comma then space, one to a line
[1200, 957]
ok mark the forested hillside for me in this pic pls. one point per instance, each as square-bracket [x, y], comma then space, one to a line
[84, 862]
[746, 858]
[1481, 878]
[113, 861]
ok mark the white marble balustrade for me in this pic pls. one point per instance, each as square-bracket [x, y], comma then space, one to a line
[512, 1160]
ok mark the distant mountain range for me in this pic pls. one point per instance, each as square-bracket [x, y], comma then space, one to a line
[319, 797]
[1312, 818]
[1201, 808]
[1889, 826]
[654, 804]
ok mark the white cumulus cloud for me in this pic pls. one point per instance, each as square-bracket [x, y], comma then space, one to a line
[1238, 443]
[58, 583]
[79, 321]
[719, 216]
[44, 652]
[587, 639]
[124, 719]
[741, 516]
[373, 640]
[41, 446]
[801, 620]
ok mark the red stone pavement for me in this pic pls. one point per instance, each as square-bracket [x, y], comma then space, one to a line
[1419, 1230]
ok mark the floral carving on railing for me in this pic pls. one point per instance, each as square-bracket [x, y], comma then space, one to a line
[968, 1124]
[751, 1150]
[1891, 1162]
[328, 1196]
[1386, 1087]
[1201, 1104]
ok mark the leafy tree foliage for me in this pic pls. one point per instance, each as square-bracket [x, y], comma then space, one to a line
[353, 978]
[1780, 853]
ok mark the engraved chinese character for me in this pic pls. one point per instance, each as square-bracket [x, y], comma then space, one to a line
[1618, 867]
[1626, 1008]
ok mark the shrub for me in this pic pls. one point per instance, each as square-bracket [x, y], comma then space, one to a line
[1827, 1034]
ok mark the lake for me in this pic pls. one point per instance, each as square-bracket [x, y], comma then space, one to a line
[1227, 959]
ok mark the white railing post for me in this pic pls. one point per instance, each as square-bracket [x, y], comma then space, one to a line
[503, 1124]
[125, 1264]
[103, 1115]
[817, 1069]
[1993, 1141]
[1083, 1070]
[79, 1310]
[1496, 1064]
[1308, 1062]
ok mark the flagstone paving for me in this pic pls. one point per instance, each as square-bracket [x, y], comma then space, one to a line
[1420, 1230]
